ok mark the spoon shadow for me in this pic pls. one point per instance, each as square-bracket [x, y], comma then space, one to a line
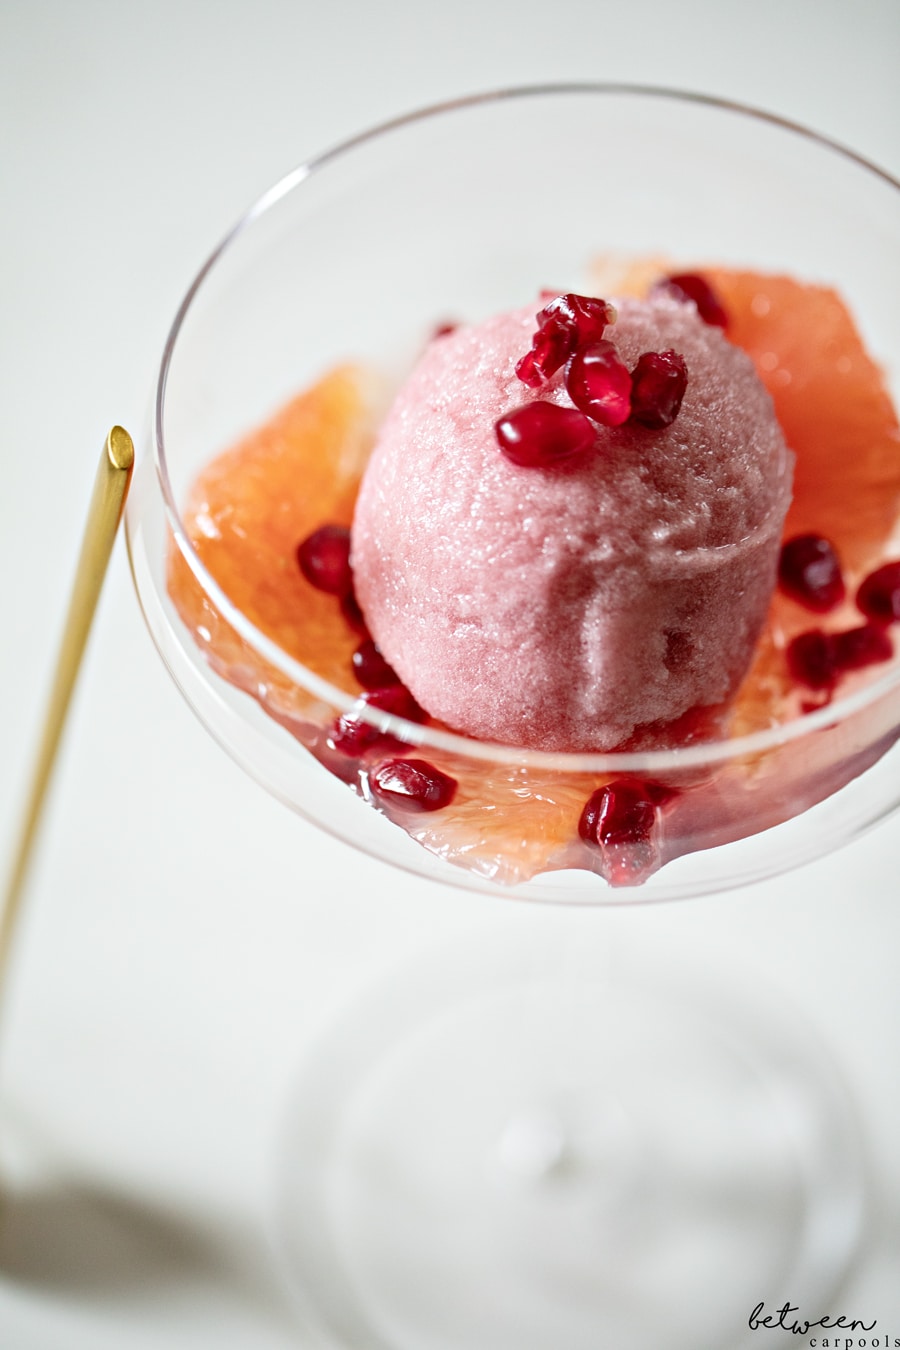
[84, 1243]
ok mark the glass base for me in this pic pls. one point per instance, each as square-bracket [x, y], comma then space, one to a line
[485, 1156]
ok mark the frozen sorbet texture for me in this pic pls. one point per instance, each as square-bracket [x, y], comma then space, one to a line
[570, 607]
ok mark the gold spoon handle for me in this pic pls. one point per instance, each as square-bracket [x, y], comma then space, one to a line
[104, 515]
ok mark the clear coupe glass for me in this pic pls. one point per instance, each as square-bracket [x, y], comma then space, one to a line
[455, 213]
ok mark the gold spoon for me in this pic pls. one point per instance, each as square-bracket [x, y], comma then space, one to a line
[104, 515]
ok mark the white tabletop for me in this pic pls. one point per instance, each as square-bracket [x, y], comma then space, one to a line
[186, 937]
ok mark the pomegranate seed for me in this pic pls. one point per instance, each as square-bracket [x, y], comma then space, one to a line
[527, 371]
[566, 323]
[809, 571]
[599, 384]
[412, 784]
[584, 316]
[353, 614]
[867, 645]
[658, 382]
[540, 434]
[370, 667]
[324, 559]
[351, 735]
[816, 659]
[622, 812]
[879, 595]
[811, 659]
[691, 286]
[551, 348]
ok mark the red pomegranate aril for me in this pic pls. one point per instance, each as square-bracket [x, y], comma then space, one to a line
[540, 434]
[809, 571]
[324, 559]
[622, 812]
[599, 384]
[816, 658]
[658, 384]
[856, 648]
[692, 286]
[566, 323]
[879, 594]
[352, 736]
[395, 699]
[585, 316]
[352, 612]
[528, 372]
[811, 659]
[412, 785]
[551, 348]
[370, 667]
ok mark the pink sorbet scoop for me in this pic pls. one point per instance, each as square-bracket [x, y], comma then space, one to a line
[567, 607]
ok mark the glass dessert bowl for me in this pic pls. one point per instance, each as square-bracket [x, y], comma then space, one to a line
[332, 284]
[296, 331]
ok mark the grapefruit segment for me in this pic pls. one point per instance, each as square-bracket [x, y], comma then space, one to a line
[833, 406]
[247, 513]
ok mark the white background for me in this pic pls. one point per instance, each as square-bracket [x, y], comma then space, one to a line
[185, 936]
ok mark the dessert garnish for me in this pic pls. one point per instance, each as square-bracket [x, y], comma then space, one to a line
[540, 434]
[570, 334]
[412, 785]
[809, 571]
[658, 384]
[352, 613]
[817, 658]
[370, 667]
[324, 559]
[693, 286]
[599, 384]
[621, 820]
[878, 596]
[350, 735]
[566, 323]
[623, 811]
